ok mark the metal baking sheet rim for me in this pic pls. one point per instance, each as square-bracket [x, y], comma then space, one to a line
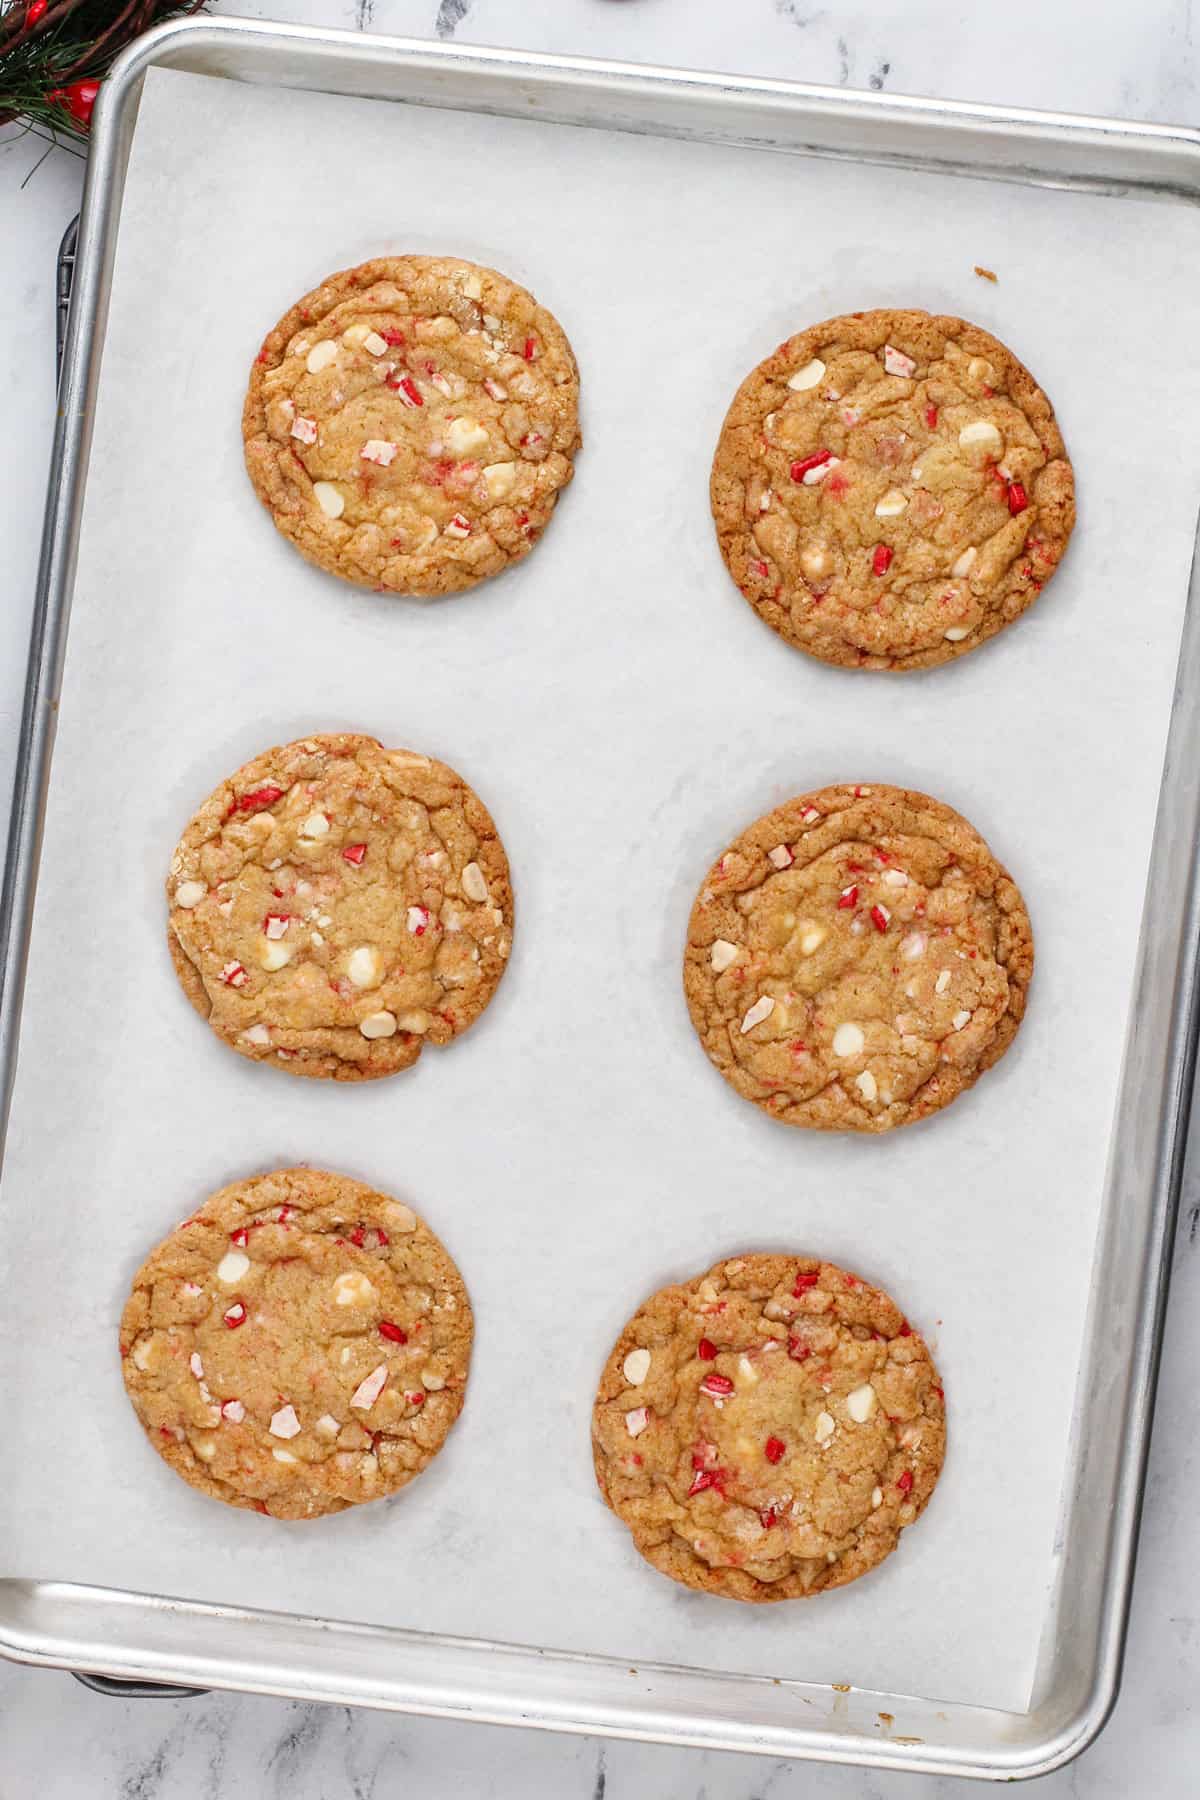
[152, 1638]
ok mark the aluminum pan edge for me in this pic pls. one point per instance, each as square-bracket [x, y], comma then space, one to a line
[65, 1624]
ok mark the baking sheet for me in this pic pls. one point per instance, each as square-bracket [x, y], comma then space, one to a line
[623, 715]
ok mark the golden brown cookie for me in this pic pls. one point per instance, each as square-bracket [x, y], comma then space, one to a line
[856, 959]
[890, 489]
[335, 906]
[410, 423]
[299, 1346]
[768, 1429]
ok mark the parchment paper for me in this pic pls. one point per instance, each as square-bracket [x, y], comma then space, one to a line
[624, 715]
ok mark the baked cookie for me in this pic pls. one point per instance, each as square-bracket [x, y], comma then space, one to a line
[890, 489]
[857, 958]
[410, 423]
[299, 1346]
[335, 906]
[768, 1429]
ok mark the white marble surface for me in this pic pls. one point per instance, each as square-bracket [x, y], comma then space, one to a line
[62, 1743]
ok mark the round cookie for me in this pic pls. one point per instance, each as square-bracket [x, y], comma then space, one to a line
[335, 906]
[299, 1346]
[890, 489]
[856, 959]
[410, 423]
[768, 1429]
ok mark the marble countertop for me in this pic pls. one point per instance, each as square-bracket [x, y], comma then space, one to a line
[61, 1742]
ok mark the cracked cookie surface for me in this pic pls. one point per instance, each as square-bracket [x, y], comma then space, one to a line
[410, 423]
[335, 906]
[856, 959]
[769, 1429]
[890, 489]
[301, 1345]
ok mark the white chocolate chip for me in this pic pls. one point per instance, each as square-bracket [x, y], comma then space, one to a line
[232, 1267]
[327, 1426]
[473, 286]
[762, 1009]
[747, 1371]
[463, 436]
[375, 343]
[722, 954]
[499, 478]
[351, 1288]
[957, 633]
[942, 982]
[807, 377]
[848, 1039]
[432, 1380]
[815, 561]
[365, 966]
[473, 884]
[257, 1034]
[274, 956]
[304, 429]
[320, 356]
[913, 945]
[400, 1217]
[284, 1456]
[378, 450]
[892, 504]
[876, 1498]
[895, 877]
[143, 1353]
[636, 1367]
[781, 857]
[204, 1448]
[865, 1083]
[369, 1388]
[896, 363]
[860, 1403]
[196, 1366]
[980, 434]
[966, 561]
[284, 1423]
[189, 894]
[410, 1021]
[825, 1427]
[960, 1019]
[812, 939]
[378, 1025]
[315, 826]
[328, 499]
[637, 1420]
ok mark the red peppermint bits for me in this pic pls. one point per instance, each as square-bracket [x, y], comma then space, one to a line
[235, 1315]
[240, 1237]
[706, 1350]
[391, 334]
[706, 1478]
[774, 1449]
[905, 1482]
[407, 389]
[716, 1385]
[256, 800]
[798, 1350]
[395, 1334]
[530, 350]
[416, 1398]
[931, 417]
[759, 568]
[354, 853]
[905, 1329]
[1018, 499]
[805, 1281]
[879, 917]
[847, 898]
[284, 1214]
[234, 975]
[817, 460]
[768, 1516]
[881, 562]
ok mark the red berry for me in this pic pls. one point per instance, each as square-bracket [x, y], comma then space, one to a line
[817, 460]
[847, 899]
[706, 1350]
[931, 416]
[1018, 499]
[255, 802]
[34, 12]
[774, 1449]
[235, 1315]
[798, 1350]
[805, 1281]
[881, 562]
[78, 99]
[905, 1482]
[717, 1385]
[393, 1333]
[879, 918]
[354, 853]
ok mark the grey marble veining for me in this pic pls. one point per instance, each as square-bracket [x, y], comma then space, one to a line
[61, 1742]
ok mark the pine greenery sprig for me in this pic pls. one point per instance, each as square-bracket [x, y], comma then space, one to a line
[55, 53]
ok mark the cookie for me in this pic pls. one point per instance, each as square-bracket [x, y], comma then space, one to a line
[299, 1346]
[335, 906]
[890, 489]
[856, 959]
[410, 424]
[768, 1429]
